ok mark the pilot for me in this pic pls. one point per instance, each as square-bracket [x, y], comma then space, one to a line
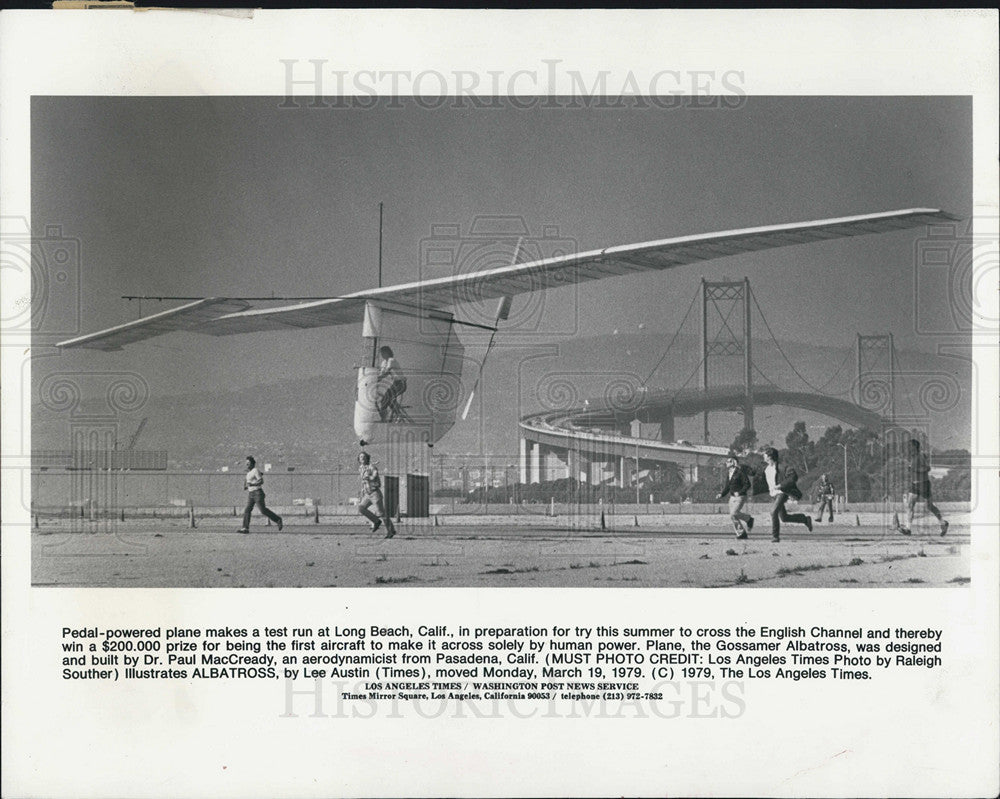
[389, 371]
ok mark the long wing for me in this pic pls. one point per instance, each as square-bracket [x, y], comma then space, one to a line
[646, 257]
[186, 317]
[518, 278]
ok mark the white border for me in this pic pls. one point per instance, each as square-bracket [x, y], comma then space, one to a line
[229, 740]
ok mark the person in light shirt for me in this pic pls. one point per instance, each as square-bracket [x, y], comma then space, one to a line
[781, 485]
[371, 496]
[254, 483]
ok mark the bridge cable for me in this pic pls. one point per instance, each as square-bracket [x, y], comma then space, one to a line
[768, 379]
[676, 334]
[684, 385]
[843, 363]
[905, 386]
[753, 295]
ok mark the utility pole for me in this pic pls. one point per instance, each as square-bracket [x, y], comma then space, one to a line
[844, 447]
[380, 245]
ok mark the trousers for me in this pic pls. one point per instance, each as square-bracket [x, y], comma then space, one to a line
[779, 514]
[256, 497]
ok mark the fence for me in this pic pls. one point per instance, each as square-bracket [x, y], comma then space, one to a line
[112, 493]
[59, 492]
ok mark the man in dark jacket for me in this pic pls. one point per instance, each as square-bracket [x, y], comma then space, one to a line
[781, 484]
[736, 487]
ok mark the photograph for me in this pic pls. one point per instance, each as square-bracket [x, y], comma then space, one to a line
[499, 402]
[567, 341]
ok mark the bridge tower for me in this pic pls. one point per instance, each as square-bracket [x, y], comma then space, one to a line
[876, 379]
[724, 338]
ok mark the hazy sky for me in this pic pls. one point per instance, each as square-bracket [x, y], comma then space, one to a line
[236, 196]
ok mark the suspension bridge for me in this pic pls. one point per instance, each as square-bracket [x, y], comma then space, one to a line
[614, 437]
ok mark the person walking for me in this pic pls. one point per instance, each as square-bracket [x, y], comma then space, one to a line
[825, 493]
[254, 484]
[736, 487]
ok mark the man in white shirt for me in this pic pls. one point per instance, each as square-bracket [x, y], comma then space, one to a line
[781, 484]
[254, 483]
[371, 495]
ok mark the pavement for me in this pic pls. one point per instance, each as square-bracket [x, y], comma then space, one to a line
[493, 553]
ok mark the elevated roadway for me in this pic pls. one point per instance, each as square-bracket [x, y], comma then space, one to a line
[593, 443]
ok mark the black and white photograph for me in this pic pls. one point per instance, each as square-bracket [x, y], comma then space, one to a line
[385, 377]
[548, 343]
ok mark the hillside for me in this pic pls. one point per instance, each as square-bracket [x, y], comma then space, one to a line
[307, 422]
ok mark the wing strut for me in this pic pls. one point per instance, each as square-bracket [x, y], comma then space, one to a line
[503, 312]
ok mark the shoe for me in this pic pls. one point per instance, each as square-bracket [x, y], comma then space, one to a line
[376, 524]
[830, 520]
[741, 536]
[775, 538]
[944, 528]
[243, 530]
[390, 534]
[750, 524]
[903, 530]
[280, 524]
[809, 524]
[818, 520]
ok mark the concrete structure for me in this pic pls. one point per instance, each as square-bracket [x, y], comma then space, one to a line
[595, 443]
[553, 448]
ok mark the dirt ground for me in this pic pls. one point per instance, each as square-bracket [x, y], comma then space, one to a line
[496, 553]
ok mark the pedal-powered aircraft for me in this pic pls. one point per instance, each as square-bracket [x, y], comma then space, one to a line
[413, 321]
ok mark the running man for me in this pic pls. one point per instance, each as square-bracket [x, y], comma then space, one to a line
[371, 494]
[254, 483]
[825, 493]
[736, 487]
[781, 484]
[919, 476]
